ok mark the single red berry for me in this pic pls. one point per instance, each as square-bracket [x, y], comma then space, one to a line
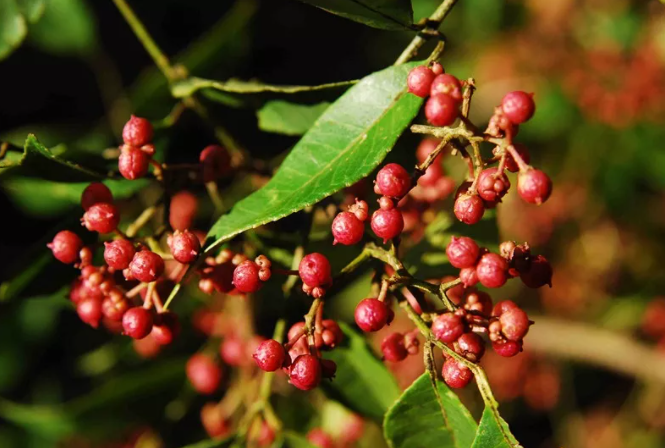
[441, 110]
[347, 229]
[314, 270]
[492, 186]
[215, 162]
[393, 181]
[95, 193]
[468, 276]
[269, 355]
[492, 270]
[66, 246]
[507, 349]
[185, 246]
[371, 315]
[448, 327]
[266, 435]
[534, 186]
[393, 347]
[214, 422]
[420, 80]
[233, 351]
[137, 132]
[462, 252]
[146, 266]
[514, 324]
[246, 277]
[437, 68]
[331, 334]
[319, 438]
[183, 210]
[133, 163]
[387, 224]
[90, 311]
[469, 208]
[385, 203]
[455, 374]
[503, 306]
[166, 328]
[137, 322]
[471, 346]
[118, 253]
[101, 218]
[204, 375]
[305, 373]
[538, 274]
[523, 151]
[115, 309]
[447, 84]
[518, 106]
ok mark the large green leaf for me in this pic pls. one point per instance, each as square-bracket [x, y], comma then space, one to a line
[345, 144]
[493, 432]
[384, 14]
[282, 117]
[13, 27]
[67, 27]
[419, 420]
[362, 382]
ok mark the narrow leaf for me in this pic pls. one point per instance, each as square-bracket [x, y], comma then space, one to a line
[191, 85]
[493, 432]
[344, 145]
[282, 117]
[384, 14]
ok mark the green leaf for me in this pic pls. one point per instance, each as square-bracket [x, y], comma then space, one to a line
[67, 27]
[293, 440]
[345, 144]
[419, 420]
[282, 117]
[384, 14]
[13, 28]
[362, 382]
[191, 85]
[32, 10]
[493, 432]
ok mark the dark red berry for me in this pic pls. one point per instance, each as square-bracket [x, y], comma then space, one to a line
[66, 246]
[441, 110]
[471, 346]
[269, 355]
[305, 373]
[90, 311]
[492, 186]
[507, 349]
[455, 374]
[118, 254]
[503, 306]
[133, 163]
[318, 437]
[94, 193]
[514, 324]
[387, 224]
[469, 208]
[137, 132]
[101, 218]
[523, 151]
[492, 270]
[448, 84]
[137, 322]
[115, 309]
[314, 270]
[393, 347]
[347, 229]
[518, 106]
[185, 246]
[182, 210]
[534, 186]
[215, 162]
[448, 327]
[393, 181]
[371, 315]
[246, 277]
[166, 328]
[462, 252]
[204, 375]
[538, 274]
[468, 276]
[146, 266]
[420, 80]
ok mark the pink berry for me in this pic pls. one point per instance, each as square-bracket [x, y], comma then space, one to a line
[118, 254]
[441, 110]
[469, 208]
[94, 193]
[468, 276]
[360, 210]
[393, 347]
[146, 266]
[492, 186]
[471, 346]
[347, 229]
[315, 271]
[447, 84]
[538, 274]
[215, 162]
[137, 322]
[448, 327]
[371, 315]
[534, 186]
[305, 373]
[246, 277]
[204, 375]
[66, 246]
[455, 375]
[166, 328]
[387, 224]
[523, 151]
[137, 132]
[492, 270]
[90, 311]
[437, 68]
[102, 218]
[319, 438]
[269, 355]
[393, 181]
[514, 324]
[507, 349]
[518, 106]
[182, 210]
[462, 252]
[420, 80]
[133, 163]
[185, 246]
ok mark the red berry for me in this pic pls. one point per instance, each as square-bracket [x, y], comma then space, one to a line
[185, 246]
[118, 254]
[492, 270]
[133, 163]
[502, 307]
[479, 302]
[166, 328]
[455, 374]
[305, 373]
[90, 311]
[214, 422]
[101, 218]
[447, 84]
[448, 327]
[518, 106]
[66, 246]
[387, 224]
[315, 271]
[492, 186]
[137, 322]
[94, 193]
[331, 334]
[182, 210]
[471, 346]
[437, 68]
[469, 208]
[266, 435]
[114, 309]
[233, 351]
[146, 266]
[523, 151]
[538, 274]
[514, 324]
[393, 181]
[462, 252]
[319, 438]
[246, 277]
[204, 375]
[534, 186]
[393, 347]
[269, 355]
[137, 132]
[215, 162]
[347, 229]
[420, 80]
[468, 276]
[507, 349]
[371, 315]
[441, 110]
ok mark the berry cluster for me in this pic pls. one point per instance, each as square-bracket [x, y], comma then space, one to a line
[444, 91]
[137, 151]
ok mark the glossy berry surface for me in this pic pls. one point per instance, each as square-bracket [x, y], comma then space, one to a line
[420, 80]
[146, 266]
[185, 246]
[66, 246]
[314, 270]
[455, 374]
[269, 355]
[118, 254]
[215, 162]
[387, 224]
[133, 163]
[469, 208]
[441, 110]
[102, 218]
[393, 347]
[305, 373]
[514, 324]
[94, 193]
[534, 186]
[462, 252]
[492, 186]
[471, 346]
[371, 315]
[137, 132]
[518, 106]
[90, 311]
[137, 322]
[448, 327]
[203, 374]
[492, 270]
[503, 306]
[347, 229]
[246, 277]
[392, 180]
[448, 84]
[507, 349]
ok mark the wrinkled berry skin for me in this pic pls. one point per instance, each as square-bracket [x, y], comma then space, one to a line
[393, 347]
[371, 315]
[469, 208]
[137, 322]
[118, 254]
[66, 246]
[539, 273]
[502, 307]
[492, 270]
[462, 252]
[246, 277]
[518, 106]
[215, 162]
[347, 229]
[441, 110]
[94, 193]
[534, 186]
[146, 266]
[204, 375]
[305, 373]
[455, 374]
[393, 181]
[420, 80]
[101, 218]
[507, 349]
[133, 163]
[185, 246]
[269, 355]
[471, 346]
[314, 270]
[387, 224]
[514, 324]
[447, 327]
[137, 132]
[468, 276]
[492, 187]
